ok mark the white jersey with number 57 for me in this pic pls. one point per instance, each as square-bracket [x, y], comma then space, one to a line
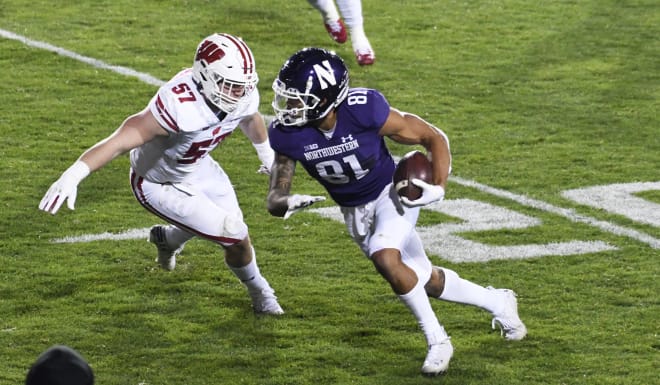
[195, 130]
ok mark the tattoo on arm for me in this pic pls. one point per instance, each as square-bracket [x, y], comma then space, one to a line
[281, 176]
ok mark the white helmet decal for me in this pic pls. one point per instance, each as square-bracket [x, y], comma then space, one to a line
[325, 74]
[209, 52]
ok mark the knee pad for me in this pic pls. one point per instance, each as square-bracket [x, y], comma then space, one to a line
[421, 266]
[414, 256]
[234, 227]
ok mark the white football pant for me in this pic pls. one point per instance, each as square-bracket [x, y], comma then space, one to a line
[204, 204]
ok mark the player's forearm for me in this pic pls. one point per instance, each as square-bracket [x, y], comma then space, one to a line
[254, 128]
[279, 191]
[99, 155]
[437, 145]
[134, 131]
[277, 203]
[441, 168]
[441, 160]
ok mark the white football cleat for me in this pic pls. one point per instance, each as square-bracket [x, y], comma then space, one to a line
[437, 358]
[265, 302]
[166, 254]
[511, 326]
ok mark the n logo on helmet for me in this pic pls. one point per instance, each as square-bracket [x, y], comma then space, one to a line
[209, 52]
[325, 75]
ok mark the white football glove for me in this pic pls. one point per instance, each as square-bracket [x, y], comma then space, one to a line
[298, 202]
[65, 188]
[263, 170]
[430, 193]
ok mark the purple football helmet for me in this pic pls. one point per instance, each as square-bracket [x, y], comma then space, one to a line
[309, 85]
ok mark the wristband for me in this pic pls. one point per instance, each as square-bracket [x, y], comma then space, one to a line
[265, 153]
[78, 171]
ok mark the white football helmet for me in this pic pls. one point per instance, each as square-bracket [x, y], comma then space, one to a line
[224, 69]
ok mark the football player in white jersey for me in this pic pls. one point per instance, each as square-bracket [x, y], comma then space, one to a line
[172, 174]
[351, 10]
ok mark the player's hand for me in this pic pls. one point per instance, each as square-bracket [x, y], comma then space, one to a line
[298, 202]
[64, 189]
[430, 193]
[263, 170]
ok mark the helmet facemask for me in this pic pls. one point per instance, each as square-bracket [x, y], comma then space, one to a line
[224, 93]
[292, 107]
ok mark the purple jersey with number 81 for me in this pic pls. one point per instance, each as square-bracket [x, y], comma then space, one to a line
[352, 162]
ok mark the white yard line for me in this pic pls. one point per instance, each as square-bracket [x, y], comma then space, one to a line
[128, 234]
[141, 233]
[146, 78]
[567, 213]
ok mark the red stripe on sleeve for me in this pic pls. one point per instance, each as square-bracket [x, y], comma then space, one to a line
[167, 118]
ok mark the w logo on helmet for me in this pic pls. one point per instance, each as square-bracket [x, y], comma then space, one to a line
[325, 75]
[209, 52]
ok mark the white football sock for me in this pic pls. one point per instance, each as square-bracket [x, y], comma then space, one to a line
[463, 291]
[351, 11]
[327, 8]
[250, 275]
[419, 305]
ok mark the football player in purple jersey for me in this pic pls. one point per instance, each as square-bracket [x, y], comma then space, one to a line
[172, 174]
[337, 134]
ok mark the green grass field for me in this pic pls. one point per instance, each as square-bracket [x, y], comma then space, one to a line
[552, 111]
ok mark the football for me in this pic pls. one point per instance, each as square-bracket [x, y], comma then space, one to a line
[413, 165]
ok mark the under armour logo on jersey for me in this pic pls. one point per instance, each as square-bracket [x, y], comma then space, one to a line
[345, 139]
[209, 52]
[325, 75]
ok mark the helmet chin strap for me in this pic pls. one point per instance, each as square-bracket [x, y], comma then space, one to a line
[328, 123]
[220, 114]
